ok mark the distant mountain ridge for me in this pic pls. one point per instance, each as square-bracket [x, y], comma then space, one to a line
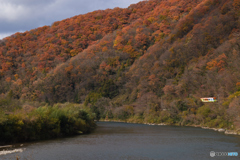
[150, 62]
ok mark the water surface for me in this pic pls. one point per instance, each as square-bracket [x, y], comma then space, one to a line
[123, 141]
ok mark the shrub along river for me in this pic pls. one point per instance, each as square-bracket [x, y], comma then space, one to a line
[123, 141]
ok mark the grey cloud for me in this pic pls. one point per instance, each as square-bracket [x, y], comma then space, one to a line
[28, 2]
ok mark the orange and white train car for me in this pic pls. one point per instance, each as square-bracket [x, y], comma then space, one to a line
[209, 99]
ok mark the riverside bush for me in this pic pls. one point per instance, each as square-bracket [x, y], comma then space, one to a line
[44, 123]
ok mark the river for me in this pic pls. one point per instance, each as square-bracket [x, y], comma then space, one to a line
[124, 141]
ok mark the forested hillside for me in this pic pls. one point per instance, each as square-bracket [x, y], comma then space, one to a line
[150, 62]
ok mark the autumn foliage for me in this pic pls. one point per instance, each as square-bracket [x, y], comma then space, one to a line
[158, 57]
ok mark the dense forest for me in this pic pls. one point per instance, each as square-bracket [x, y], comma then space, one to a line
[148, 63]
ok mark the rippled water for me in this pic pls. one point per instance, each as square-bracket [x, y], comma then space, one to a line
[122, 141]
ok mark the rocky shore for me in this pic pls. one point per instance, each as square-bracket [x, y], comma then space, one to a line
[227, 132]
[224, 130]
[5, 152]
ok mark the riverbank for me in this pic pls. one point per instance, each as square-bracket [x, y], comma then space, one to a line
[120, 141]
[47, 122]
[227, 132]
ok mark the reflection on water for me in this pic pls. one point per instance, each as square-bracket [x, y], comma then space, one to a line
[122, 141]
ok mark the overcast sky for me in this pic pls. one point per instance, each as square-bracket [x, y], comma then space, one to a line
[23, 15]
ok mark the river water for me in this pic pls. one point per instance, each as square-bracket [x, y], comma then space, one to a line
[123, 141]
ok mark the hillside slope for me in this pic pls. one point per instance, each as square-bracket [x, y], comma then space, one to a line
[27, 56]
[151, 62]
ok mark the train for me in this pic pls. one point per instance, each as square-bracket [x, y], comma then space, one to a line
[209, 99]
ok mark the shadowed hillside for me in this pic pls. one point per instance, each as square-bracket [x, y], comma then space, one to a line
[150, 62]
